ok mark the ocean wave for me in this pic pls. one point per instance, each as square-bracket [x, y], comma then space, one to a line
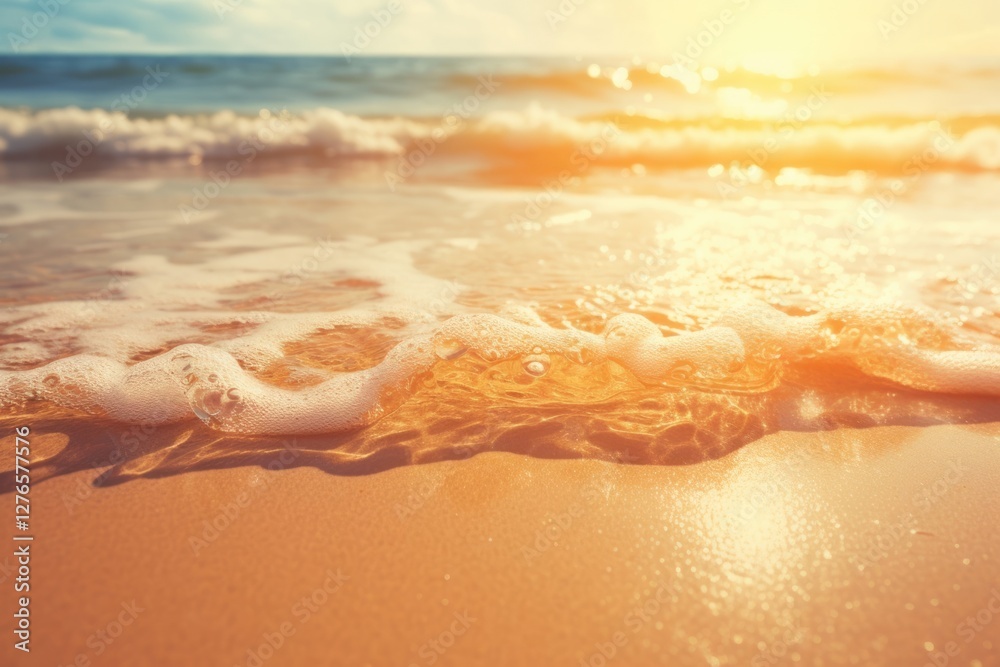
[535, 137]
[72, 133]
[541, 135]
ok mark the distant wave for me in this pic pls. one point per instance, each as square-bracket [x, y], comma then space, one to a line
[57, 133]
[668, 77]
[536, 136]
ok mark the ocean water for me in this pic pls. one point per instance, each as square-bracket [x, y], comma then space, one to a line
[407, 259]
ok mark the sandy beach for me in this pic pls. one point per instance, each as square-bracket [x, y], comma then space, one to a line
[869, 547]
[432, 333]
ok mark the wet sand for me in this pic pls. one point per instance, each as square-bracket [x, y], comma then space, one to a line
[868, 547]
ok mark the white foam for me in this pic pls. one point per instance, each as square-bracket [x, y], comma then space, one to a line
[151, 302]
[208, 382]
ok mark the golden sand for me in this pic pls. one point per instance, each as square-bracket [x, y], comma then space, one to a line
[869, 547]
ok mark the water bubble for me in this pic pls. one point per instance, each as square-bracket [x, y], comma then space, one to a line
[536, 365]
[683, 372]
[210, 403]
[448, 348]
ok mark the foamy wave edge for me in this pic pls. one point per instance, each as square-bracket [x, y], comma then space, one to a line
[208, 382]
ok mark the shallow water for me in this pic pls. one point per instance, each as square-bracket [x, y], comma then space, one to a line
[500, 247]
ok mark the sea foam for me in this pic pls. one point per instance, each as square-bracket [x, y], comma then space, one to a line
[751, 338]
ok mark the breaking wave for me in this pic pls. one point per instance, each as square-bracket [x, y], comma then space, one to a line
[536, 135]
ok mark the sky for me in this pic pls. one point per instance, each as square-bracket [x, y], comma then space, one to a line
[794, 32]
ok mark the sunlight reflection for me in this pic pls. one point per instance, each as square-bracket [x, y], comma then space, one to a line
[761, 522]
[743, 103]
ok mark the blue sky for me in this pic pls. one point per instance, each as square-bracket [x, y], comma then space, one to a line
[817, 30]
